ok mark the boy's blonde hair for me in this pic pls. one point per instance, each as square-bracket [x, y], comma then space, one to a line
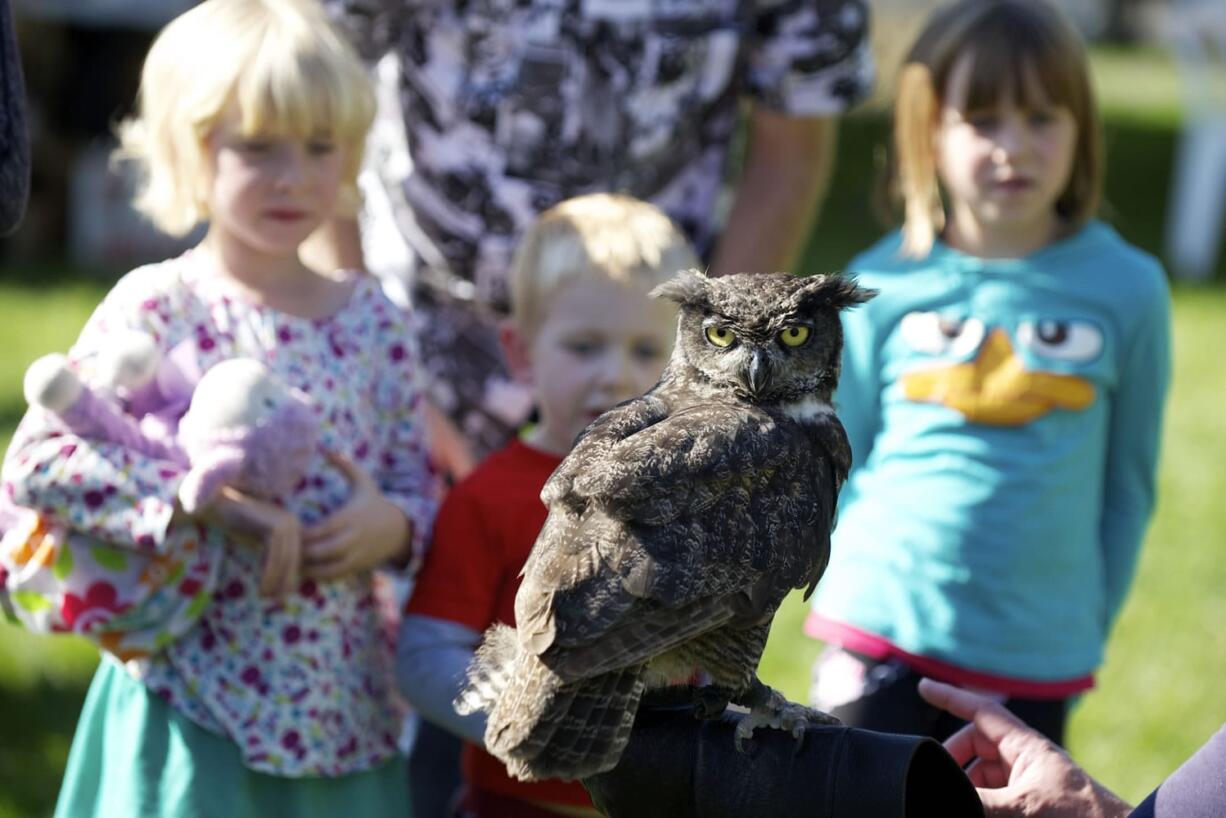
[1024, 46]
[601, 235]
[284, 65]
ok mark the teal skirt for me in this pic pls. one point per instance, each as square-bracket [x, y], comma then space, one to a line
[134, 755]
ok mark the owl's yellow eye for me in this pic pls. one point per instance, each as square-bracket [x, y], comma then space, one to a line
[794, 336]
[720, 336]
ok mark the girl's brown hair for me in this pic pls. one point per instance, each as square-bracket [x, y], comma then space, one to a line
[1023, 47]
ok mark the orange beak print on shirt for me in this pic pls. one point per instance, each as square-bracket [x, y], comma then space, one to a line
[996, 389]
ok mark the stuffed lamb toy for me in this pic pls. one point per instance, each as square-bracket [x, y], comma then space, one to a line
[236, 425]
[246, 429]
[54, 579]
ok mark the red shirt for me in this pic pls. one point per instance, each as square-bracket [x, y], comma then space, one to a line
[484, 532]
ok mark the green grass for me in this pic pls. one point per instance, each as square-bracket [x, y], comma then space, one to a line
[1137, 85]
[42, 684]
[1158, 695]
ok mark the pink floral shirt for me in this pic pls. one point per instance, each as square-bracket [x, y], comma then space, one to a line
[302, 684]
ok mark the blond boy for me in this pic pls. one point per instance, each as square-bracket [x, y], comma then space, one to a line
[583, 337]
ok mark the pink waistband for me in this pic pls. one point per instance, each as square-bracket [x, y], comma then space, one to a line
[877, 648]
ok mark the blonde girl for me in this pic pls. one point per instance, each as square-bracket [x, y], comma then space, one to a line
[1003, 394]
[277, 700]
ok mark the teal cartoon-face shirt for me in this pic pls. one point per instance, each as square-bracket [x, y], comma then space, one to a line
[1004, 419]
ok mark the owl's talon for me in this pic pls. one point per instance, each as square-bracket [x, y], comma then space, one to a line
[773, 710]
[743, 738]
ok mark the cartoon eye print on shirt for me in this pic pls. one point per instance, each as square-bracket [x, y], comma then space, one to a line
[980, 374]
[940, 336]
[1074, 341]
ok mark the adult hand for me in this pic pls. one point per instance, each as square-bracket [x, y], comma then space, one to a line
[1017, 771]
[275, 529]
[365, 532]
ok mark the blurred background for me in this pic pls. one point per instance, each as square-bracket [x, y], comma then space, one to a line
[1160, 73]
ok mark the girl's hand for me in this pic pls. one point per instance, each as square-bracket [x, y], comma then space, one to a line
[365, 532]
[277, 530]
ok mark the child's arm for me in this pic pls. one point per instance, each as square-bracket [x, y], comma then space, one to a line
[101, 489]
[1133, 442]
[455, 599]
[104, 489]
[403, 472]
[432, 658]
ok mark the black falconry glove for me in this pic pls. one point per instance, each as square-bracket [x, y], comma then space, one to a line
[679, 766]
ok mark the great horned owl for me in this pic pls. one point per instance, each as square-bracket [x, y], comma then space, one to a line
[676, 526]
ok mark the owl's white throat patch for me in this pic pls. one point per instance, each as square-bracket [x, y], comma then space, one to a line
[806, 409]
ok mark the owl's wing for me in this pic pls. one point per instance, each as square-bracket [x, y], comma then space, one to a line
[707, 517]
[596, 443]
[697, 454]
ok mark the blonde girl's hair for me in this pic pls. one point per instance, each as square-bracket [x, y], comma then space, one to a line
[606, 236]
[1026, 47]
[281, 62]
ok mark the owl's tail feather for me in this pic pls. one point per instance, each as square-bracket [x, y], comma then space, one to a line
[489, 671]
[542, 728]
[591, 734]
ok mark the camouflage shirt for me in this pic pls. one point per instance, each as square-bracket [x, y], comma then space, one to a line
[511, 106]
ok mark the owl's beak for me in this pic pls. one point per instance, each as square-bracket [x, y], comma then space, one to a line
[759, 372]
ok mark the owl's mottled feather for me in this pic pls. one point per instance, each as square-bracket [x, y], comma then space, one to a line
[676, 527]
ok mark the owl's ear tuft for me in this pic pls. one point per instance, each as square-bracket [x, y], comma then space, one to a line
[838, 291]
[689, 288]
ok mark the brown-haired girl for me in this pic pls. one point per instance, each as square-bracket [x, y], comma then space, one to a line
[1003, 394]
